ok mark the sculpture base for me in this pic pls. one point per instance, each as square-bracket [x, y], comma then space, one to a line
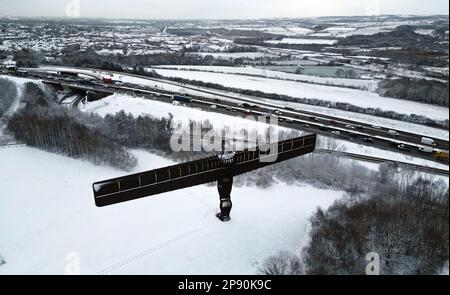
[223, 218]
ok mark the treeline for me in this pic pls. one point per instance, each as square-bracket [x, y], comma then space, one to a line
[423, 50]
[405, 224]
[413, 118]
[44, 124]
[401, 218]
[118, 62]
[7, 95]
[28, 59]
[141, 132]
[427, 91]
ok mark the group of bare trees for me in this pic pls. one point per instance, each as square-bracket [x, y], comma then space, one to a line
[406, 224]
[427, 91]
[7, 95]
[43, 124]
[138, 132]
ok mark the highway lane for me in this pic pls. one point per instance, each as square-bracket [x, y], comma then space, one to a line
[377, 160]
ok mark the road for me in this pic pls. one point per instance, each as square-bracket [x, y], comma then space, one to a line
[326, 125]
[377, 160]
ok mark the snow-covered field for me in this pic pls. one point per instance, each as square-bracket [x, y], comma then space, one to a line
[248, 70]
[49, 222]
[356, 97]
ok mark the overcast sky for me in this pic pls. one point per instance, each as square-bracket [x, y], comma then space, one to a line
[213, 9]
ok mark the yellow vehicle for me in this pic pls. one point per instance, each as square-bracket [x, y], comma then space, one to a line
[441, 156]
[12, 70]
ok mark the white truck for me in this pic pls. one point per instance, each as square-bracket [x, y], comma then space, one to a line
[428, 141]
[426, 149]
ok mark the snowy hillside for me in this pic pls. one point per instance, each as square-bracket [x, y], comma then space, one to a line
[48, 215]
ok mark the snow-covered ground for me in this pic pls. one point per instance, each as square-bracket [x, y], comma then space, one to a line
[356, 97]
[248, 70]
[49, 222]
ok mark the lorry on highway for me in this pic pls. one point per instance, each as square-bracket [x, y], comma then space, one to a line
[182, 98]
[107, 80]
[441, 156]
[428, 141]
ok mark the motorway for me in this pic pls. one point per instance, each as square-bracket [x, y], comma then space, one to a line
[314, 118]
[338, 128]
[378, 160]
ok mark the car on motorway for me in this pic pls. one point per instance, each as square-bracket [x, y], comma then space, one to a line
[426, 149]
[441, 156]
[376, 127]
[368, 139]
[306, 125]
[314, 119]
[404, 147]
[332, 122]
[360, 127]
[393, 133]
[214, 107]
[337, 133]
[182, 98]
[349, 126]
[277, 112]
[290, 121]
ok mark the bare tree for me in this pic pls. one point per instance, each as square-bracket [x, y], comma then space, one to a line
[283, 263]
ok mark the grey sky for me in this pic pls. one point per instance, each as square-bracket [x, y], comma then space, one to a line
[157, 9]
